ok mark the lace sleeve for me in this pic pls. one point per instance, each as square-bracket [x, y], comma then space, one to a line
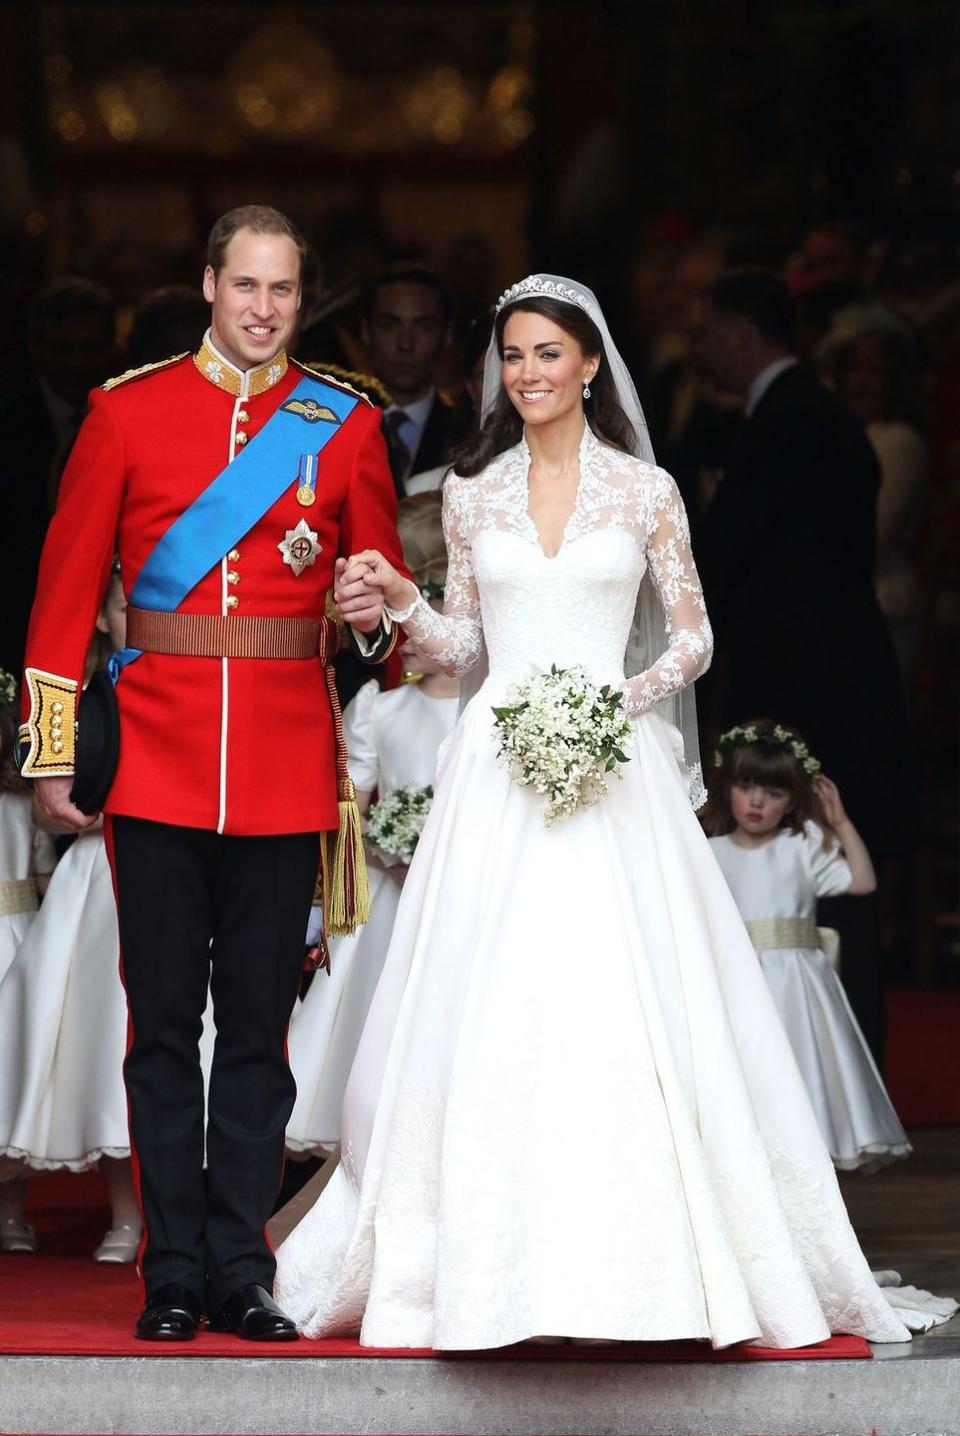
[674, 573]
[454, 637]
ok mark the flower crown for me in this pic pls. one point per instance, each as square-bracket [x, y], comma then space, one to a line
[8, 686]
[534, 284]
[778, 737]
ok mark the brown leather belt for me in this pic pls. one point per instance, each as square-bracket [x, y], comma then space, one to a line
[214, 635]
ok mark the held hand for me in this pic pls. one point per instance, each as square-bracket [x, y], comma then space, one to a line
[833, 809]
[366, 572]
[53, 797]
[359, 602]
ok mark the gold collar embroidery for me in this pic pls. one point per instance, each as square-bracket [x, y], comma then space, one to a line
[242, 383]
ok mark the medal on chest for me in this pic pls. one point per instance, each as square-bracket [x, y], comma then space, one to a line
[299, 547]
[307, 480]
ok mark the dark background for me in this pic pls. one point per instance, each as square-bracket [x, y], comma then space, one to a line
[601, 140]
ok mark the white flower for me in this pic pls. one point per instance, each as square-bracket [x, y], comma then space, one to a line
[395, 823]
[561, 734]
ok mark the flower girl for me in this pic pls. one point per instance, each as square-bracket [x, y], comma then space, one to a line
[27, 859]
[783, 840]
[393, 738]
[63, 1024]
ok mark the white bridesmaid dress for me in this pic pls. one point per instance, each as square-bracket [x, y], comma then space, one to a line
[63, 1023]
[784, 878]
[26, 853]
[587, 987]
[392, 738]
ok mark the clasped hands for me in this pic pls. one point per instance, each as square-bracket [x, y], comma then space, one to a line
[366, 582]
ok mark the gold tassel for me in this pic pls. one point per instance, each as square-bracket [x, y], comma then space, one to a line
[348, 906]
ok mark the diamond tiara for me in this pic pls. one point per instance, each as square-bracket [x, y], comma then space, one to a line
[533, 284]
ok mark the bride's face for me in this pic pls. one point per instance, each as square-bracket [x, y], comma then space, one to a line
[544, 368]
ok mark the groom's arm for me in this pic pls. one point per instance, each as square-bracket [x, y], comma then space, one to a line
[369, 520]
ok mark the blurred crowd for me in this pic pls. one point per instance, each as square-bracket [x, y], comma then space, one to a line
[807, 408]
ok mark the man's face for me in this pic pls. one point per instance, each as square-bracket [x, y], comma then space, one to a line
[74, 354]
[406, 333]
[719, 345]
[255, 297]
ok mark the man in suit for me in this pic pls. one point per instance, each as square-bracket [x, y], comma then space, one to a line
[406, 328]
[229, 480]
[786, 554]
[71, 347]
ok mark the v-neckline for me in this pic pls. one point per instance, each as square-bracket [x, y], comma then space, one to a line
[527, 464]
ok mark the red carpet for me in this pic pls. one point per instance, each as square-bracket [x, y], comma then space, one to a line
[922, 1029]
[61, 1303]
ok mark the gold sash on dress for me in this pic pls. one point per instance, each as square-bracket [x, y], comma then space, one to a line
[792, 932]
[18, 896]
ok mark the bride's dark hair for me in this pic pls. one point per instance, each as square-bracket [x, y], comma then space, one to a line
[503, 426]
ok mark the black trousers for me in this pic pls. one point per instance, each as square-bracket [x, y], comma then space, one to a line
[196, 907]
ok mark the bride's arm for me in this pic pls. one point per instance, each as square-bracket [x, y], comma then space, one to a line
[673, 571]
[454, 638]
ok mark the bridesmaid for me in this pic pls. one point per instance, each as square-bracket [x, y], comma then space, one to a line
[392, 738]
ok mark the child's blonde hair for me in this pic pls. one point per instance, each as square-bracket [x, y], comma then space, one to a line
[420, 526]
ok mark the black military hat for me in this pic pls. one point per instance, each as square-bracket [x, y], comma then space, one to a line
[98, 744]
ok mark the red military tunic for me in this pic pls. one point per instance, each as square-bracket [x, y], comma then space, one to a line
[239, 745]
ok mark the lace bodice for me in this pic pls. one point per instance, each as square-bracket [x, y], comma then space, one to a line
[578, 605]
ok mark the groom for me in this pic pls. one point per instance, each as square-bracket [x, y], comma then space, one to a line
[228, 480]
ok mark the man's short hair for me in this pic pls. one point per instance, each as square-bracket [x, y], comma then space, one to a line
[260, 219]
[65, 298]
[759, 296]
[410, 274]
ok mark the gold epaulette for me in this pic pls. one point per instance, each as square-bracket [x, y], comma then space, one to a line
[340, 379]
[129, 374]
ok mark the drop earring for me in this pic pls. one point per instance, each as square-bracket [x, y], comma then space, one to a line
[586, 391]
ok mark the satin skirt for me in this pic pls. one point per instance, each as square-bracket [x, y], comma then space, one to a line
[574, 1110]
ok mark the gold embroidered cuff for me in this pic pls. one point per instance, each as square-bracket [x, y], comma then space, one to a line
[51, 728]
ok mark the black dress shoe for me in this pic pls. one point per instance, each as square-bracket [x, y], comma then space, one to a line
[171, 1313]
[252, 1314]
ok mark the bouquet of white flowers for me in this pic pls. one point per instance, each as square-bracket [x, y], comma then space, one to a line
[395, 823]
[561, 734]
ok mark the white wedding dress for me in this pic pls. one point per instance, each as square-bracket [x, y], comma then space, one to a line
[573, 1110]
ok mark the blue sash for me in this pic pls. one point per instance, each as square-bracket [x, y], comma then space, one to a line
[237, 499]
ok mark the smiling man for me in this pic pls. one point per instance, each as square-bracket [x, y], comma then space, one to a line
[229, 481]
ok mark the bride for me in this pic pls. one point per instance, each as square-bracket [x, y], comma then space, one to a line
[573, 1111]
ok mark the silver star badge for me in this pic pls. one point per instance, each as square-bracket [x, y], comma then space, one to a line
[299, 547]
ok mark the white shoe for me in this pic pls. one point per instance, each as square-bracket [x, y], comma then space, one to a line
[119, 1245]
[17, 1235]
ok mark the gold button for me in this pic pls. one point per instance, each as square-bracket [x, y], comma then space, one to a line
[241, 438]
[232, 600]
[233, 555]
[233, 577]
[56, 730]
[57, 746]
[56, 707]
[243, 417]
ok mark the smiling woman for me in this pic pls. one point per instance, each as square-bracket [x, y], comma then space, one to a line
[550, 351]
[254, 265]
